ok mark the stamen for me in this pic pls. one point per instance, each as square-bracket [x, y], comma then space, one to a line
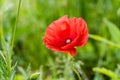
[68, 41]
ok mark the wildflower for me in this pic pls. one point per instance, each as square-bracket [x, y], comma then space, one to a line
[65, 34]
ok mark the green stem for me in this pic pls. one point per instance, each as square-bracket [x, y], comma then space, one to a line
[75, 69]
[10, 49]
[16, 22]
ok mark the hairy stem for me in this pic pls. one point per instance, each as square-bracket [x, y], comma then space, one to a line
[77, 73]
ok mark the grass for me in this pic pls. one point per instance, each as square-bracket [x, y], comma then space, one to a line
[101, 55]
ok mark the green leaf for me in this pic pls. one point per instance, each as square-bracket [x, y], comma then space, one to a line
[28, 70]
[35, 76]
[2, 55]
[114, 31]
[106, 72]
[117, 70]
[26, 73]
[99, 38]
[22, 71]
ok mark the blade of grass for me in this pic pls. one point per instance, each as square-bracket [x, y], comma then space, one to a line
[99, 38]
[2, 55]
[16, 22]
[106, 72]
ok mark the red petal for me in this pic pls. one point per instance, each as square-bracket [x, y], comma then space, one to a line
[73, 52]
[79, 33]
[63, 29]
[57, 32]
[83, 34]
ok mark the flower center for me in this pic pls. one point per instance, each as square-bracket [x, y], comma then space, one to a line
[68, 41]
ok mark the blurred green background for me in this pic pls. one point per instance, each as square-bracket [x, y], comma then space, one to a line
[102, 17]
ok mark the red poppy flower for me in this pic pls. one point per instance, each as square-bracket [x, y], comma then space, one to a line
[65, 34]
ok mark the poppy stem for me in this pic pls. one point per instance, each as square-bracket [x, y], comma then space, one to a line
[73, 68]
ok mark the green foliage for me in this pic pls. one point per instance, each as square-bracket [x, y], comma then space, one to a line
[114, 31]
[96, 37]
[102, 49]
[35, 76]
[26, 75]
[107, 72]
[61, 68]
